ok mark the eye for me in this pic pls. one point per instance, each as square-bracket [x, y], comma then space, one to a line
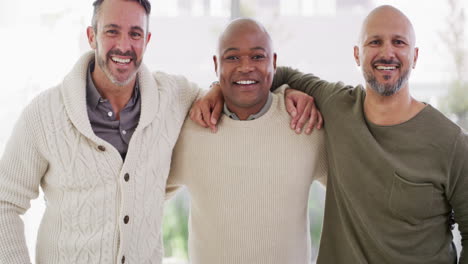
[135, 35]
[112, 32]
[399, 42]
[231, 58]
[258, 57]
[374, 42]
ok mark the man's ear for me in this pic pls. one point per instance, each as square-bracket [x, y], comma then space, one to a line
[91, 37]
[356, 55]
[274, 61]
[416, 53]
[215, 60]
[148, 38]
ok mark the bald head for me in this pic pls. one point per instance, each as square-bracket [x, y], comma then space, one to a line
[388, 18]
[240, 27]
[386, 50]
[245, 65]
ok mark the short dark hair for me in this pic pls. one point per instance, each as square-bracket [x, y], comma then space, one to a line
[97, 7]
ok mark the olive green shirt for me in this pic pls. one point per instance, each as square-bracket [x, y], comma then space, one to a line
[391, 189]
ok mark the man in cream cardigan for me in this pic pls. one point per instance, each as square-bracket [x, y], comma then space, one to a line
[248, 183]
[104, 196]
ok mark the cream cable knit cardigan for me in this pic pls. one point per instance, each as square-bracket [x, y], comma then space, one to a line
[89, 191]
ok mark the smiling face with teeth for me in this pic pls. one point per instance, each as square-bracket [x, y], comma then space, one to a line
[387, 51]
[119, 41]
[245, 66]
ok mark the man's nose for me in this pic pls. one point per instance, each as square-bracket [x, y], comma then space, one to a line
[387, 51]
[124, 43]
[245, 65]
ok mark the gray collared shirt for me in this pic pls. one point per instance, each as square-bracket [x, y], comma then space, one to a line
[103, 122]
[262, 111]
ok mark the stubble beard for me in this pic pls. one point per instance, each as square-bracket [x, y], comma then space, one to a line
[104, 65]
[386, 89]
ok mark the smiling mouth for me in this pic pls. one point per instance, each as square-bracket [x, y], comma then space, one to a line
[245, 82]
[120, 60]
[387, 68]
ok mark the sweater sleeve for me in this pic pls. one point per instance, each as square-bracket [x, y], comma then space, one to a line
[186, 93]
[321, 167]
[21, 169]
[178, 171]
[319, 89]
[458, 198]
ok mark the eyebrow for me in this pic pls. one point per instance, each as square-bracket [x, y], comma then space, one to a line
[236, 49]
[119, 27]
[112, 26]
[393, 36]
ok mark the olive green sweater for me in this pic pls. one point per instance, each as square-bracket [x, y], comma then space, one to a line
[390, 188]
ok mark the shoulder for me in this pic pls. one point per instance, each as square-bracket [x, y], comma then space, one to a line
[45, 103]
[193, 136]
[440, 123]
[172, 80]
[440, 131]
[177, 85]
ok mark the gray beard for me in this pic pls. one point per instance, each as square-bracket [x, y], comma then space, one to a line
[104, 66]
[386, 89]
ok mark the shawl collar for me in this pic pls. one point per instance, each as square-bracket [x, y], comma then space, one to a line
[73, 89]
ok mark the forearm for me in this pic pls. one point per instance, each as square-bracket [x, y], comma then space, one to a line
[13, 247]
[21, 169]
[307, 83]
[458, 196]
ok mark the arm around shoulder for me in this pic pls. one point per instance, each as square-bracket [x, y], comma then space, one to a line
[308, 83]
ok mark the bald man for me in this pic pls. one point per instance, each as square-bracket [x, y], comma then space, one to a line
[248, 183]
[398, 168]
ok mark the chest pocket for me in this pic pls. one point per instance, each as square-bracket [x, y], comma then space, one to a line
[413, 202]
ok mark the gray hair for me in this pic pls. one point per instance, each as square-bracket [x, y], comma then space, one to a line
[97, 8]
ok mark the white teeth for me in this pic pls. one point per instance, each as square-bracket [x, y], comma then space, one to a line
[119, 60]
[386, 68]
[245, 82]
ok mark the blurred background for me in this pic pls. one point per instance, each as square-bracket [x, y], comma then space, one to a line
[42, 40]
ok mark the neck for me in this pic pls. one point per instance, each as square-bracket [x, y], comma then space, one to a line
[390, 110]
[243, 112]
[118, 96]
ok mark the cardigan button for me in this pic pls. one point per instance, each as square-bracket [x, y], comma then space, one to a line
[126, 219]
[101, 148]
[127, 177]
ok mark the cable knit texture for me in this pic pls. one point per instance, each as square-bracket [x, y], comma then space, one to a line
[249, 204]
[83, 176]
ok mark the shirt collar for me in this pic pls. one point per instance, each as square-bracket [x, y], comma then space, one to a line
[262, 111]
